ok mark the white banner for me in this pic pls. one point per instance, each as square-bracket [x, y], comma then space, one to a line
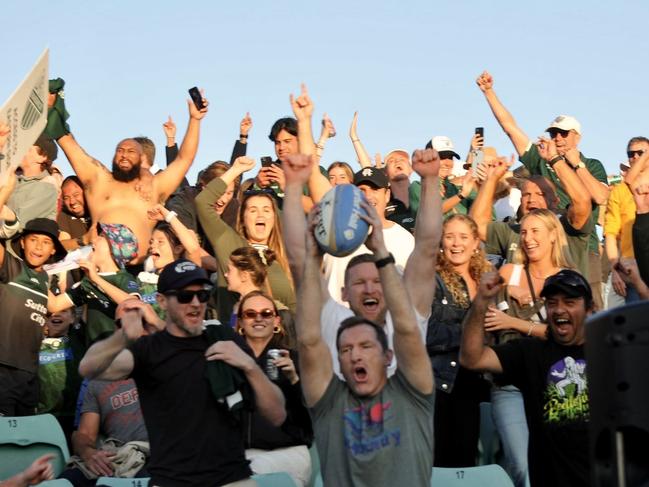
[26, 114]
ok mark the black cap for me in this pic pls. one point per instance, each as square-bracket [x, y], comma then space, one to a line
[42, 226]
[372, 175]
[179, 274]
[569, 282]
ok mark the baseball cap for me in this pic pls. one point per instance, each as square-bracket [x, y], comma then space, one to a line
[42, 226]
[441, 143]
[179, 274]
[569, 282]
[565, 122]
[372, 175]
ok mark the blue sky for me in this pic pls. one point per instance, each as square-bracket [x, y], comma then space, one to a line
[408, 67]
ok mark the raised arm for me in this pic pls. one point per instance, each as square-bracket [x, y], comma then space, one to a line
[474, 354]
[409, 348]
[505, 119]
[316, 365]
[362, 155]
[580, 207]
[419, 274]
[328, 131]
[482, 206]
[5, 192]
[597, 190]
[110, 359]
[303, 110]
[170, 178]
[241, 144]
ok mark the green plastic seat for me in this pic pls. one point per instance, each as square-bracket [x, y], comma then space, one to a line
[23, 439]
[277, 479]
[482, 476]
[55, 483]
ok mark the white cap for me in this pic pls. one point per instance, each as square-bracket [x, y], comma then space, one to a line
[565, 122]
[441, 143]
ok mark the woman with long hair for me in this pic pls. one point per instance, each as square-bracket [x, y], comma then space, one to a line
[542, 251]
[258, 225]
[460, 265]
[340, 173]
[270, 448]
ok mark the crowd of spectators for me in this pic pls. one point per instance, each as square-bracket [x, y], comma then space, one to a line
[196, 334]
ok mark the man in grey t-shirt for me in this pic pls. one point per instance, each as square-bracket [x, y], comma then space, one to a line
[370, 430]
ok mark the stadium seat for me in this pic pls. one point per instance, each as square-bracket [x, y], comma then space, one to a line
[23, 439]
[485, 475]
[278, 479]
[113, 482]
[315, 467]
[55, 483]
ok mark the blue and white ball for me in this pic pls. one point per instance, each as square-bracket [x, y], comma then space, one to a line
[341, 229]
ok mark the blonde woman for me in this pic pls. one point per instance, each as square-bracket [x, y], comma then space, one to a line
[460, 265]
[542, 252]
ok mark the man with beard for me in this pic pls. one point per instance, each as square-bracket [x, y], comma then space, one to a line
[125, 194]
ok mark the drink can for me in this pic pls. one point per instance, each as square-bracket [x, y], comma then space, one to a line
[272, 371]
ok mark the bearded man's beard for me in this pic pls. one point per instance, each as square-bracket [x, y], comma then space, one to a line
[125, 175]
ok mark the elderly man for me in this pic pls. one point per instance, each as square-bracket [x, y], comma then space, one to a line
[125, 194]
[187, 404]
[565, 132]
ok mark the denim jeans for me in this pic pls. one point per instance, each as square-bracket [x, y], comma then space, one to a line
[509, 417]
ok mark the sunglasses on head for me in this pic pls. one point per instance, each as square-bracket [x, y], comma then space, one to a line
[184, 296]
[554, 132]
[252, 314]
[632, 153]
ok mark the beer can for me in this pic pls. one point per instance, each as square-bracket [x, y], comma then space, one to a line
[272, 371]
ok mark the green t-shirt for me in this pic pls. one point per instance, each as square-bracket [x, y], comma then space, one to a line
[503, 238]
[23, 301]
[101, 309]
[148, 284]
[535, 164]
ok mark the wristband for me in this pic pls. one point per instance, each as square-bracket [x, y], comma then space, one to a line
[242, 136]
[356, 140]
[170, 216]
[555, 159]
[384, 261]
[320, 146]
[461, 196]
[529, 332]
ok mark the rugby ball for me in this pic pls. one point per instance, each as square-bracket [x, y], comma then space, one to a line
[341, 230]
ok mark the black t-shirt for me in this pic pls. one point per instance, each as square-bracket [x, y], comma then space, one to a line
[195, 441]
[552, 379]
[23, 301]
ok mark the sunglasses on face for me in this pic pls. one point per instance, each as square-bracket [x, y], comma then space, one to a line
[184, 296]
[252, 314]
[632, 153]
[554, 132]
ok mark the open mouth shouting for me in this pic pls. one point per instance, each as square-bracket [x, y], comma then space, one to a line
[360, 374]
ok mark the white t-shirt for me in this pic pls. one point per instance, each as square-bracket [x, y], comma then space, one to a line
[333, 314]
[399, 242]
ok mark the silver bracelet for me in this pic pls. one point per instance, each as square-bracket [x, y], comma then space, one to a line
[170, 216]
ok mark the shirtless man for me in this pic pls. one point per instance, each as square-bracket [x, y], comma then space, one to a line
[124, 195]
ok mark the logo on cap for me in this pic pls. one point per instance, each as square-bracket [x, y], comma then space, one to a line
[184, 267]
[367, 171]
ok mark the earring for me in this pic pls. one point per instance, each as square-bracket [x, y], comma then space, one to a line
[241, 332]
[276, 329]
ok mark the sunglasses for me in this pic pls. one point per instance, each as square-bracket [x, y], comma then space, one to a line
[185, 296]
[554, 132]
[252, 314]
[632, 153]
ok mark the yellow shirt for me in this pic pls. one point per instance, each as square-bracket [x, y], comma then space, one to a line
[620, 215]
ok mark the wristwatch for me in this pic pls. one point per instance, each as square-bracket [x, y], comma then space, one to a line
[384, 261]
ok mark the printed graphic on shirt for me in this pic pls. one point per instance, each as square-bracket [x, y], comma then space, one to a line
[566, 393]
[368, 428]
